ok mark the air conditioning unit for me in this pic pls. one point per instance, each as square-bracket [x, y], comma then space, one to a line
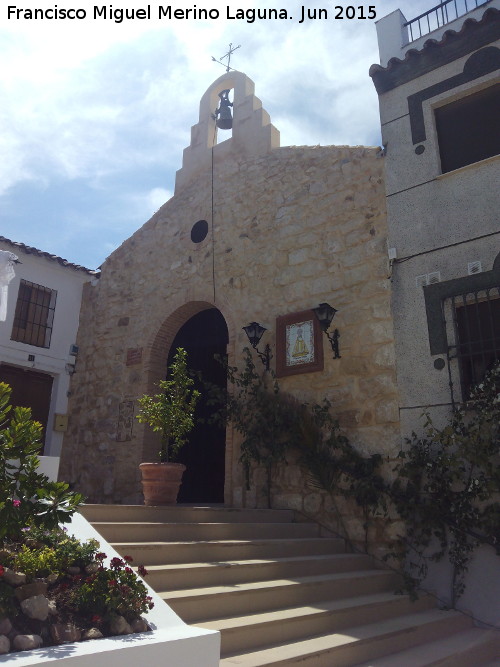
[73, 350]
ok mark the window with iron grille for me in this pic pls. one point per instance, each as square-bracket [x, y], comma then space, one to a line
[476, 317]
[34, 314]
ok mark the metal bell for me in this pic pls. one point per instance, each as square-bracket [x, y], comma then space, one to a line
[223, 113]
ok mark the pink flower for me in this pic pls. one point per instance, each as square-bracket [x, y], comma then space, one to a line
[16, 503]
[2, 570]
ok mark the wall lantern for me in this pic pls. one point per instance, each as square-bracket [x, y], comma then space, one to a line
[254, 332]
[325, 314]
[223, 113]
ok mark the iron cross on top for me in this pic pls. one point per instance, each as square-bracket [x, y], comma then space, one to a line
[228, 56]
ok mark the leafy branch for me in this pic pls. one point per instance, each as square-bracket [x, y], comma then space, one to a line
[171, 411]
[447, 485]
[27, 497]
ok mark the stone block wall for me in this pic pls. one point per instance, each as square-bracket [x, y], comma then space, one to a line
[288, 229]
[294, 488]
[292, 229]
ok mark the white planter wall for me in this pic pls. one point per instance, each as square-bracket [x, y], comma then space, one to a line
[171, 643]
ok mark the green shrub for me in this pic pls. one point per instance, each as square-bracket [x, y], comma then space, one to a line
[110, 591]
[258, 410]
[46, 552]
[36, 562]
[448, 484]
[27, 497]
[334, 465]
[70, 550]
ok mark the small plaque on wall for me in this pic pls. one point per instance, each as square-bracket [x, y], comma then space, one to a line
[125, 421]
[299, 346]
[134, 356]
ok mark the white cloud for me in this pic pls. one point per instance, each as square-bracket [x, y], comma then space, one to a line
[107, 104]
[143, 204]
[157, 197]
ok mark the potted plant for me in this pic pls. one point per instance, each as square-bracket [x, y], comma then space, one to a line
[170, 413]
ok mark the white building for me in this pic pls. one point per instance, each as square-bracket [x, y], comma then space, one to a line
[439, 105]
[37, 338]
[439, 94]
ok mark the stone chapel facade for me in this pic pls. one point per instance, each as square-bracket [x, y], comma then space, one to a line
[253, 232]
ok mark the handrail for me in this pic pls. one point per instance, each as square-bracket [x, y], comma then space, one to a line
[441, 15]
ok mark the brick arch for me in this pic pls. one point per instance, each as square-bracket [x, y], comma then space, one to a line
[159, 345]
[156, 350]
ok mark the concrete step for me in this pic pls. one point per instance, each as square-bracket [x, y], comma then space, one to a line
[472, 648]
[159, 553]
[281, 594]
[144, 532]
[221, 573]
[276, 627]
[357, 644]
[204, 604]
[183, 514]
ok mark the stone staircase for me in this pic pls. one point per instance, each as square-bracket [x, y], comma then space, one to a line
[280, 594]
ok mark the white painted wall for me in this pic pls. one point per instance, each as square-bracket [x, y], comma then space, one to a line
[68, 282]
[49, 465]
[393, 37]
[482, 594]
[171, 643]
[436, 223]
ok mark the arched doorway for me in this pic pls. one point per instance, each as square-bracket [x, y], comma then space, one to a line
[203, 336]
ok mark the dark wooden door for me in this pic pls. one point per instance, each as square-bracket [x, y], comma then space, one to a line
[203, 336]
[30, 389]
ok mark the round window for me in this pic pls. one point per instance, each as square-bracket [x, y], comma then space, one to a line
[199, 231]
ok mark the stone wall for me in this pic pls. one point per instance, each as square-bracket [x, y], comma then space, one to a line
[377, 533]
[289, 228]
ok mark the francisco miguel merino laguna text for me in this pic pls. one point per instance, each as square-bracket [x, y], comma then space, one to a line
[118, 15]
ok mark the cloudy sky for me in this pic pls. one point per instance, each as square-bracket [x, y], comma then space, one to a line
[94, 114]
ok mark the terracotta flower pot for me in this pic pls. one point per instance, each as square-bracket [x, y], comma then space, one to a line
[161, 482]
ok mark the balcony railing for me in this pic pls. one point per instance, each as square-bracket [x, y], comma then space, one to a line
[444, 13]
